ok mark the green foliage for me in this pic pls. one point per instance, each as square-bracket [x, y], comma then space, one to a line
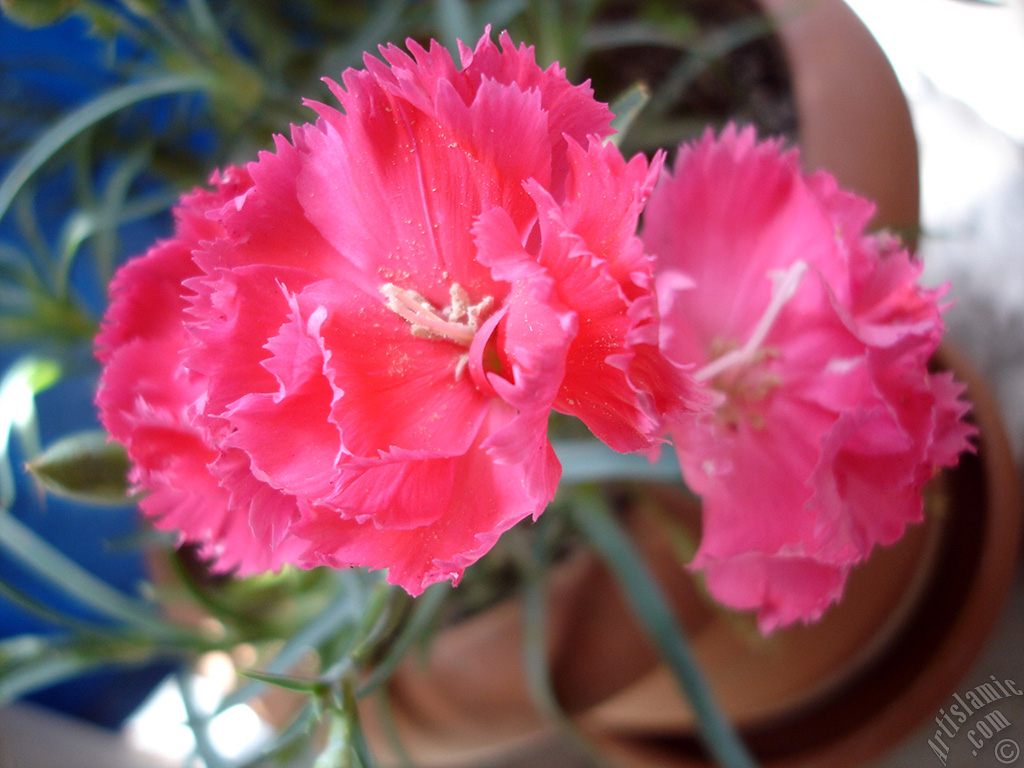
[592, 515]
[37, 13]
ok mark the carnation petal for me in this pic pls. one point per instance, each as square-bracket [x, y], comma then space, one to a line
[813, 341]
[783, 589]
[431, 404]
[489, 499]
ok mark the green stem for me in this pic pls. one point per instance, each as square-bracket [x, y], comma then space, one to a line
[345, 610]
[199, 724]
[591, 514]
[424, 612]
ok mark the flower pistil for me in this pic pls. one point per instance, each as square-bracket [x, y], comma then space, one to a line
[458, 322]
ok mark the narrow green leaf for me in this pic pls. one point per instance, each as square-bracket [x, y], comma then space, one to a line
[18, 649]
[42, 672]
[22, 544]
[142, 7]
[49, 319]
[710, 48]
[551, 31]
[626, 107]
[288, 682]
[8, 483]
[26, 219]
[203, 19]
[50, 142]
[26, 377]
[425, 610]
[376, 619]
[635, 33]
[25, 601]
[76, 230]
[296, 737]
[500, 13]
[387, 17]
[85, 466]
[16, 267]
[112, 209]
[344, 613]
[586, 461]
[389, 728]
[31, 662]
[591, 514]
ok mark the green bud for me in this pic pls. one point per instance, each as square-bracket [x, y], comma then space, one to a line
[84, 466]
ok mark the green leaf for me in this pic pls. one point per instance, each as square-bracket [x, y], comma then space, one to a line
[500, 14]
[142, 7]
[27, 602]
[290, 742]
[34, 373]
[37, 13]
[336, 752]
[381, 26]
[21, 382]
[711, 47]
[85, 466]
[626, 107]
[591, 514]
[425, 610]
[22, 544]
[377, 619]
[288, 682]
[389, 729]
[90, 113]
[31, 662]
[199, 723]
[585, 461]
[342, 615]
[42, 672]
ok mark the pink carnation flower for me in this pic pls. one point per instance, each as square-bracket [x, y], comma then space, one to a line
[813, 340]
[348, 352]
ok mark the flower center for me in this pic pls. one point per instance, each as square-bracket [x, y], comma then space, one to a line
[741, 389]
[739, 375]
[784, 288]
[458, 322]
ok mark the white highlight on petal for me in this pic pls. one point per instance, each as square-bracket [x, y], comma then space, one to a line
[784, 287]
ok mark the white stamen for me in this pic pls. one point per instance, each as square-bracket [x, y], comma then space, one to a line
[784, 288]
[460, 303]
[458, 322]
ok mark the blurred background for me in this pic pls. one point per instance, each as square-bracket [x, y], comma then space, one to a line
[960, 64]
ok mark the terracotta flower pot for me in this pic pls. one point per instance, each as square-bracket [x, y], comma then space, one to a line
[841, 692]
[837, 693]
